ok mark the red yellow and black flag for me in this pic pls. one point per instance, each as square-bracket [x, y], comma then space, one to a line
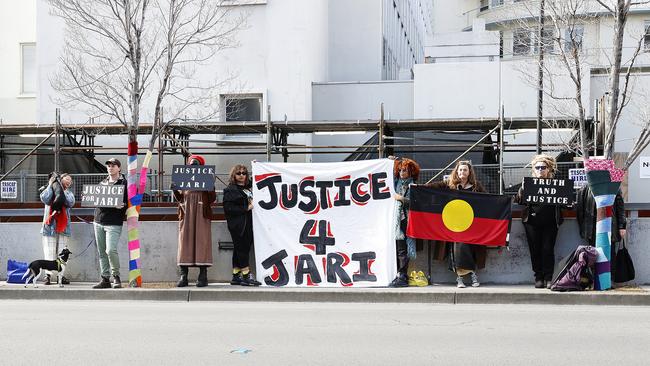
[458, 216]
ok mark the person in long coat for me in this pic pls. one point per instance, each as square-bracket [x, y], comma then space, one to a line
[238, 206]
[194, 230]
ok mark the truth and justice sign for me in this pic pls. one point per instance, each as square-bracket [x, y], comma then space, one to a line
[325, 225]
[557, 192]
[100, 195]
[193, 177]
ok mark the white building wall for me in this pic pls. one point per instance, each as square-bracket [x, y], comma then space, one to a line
[17, 26]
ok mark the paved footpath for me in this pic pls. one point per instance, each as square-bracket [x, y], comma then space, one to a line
[435, 294]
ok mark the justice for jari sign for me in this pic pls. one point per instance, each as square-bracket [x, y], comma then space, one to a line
[193, 177]
[556, 192]
[101, 195]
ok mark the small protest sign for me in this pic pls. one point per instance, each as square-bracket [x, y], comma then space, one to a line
[579, 177]
[9, 189]
[193, 177]
[557, 192]
[101, 195]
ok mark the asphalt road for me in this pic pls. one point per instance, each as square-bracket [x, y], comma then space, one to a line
[255, 333]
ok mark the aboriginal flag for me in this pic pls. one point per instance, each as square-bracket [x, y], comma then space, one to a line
[458, 216]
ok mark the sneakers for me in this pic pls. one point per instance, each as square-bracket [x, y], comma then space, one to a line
[116, 282]
[104, 283]
[65, 281]
[236, 279]
[418, 279]
[475, 282]
[47, 280]
[539, 284]
[459, 282]
[548, 284]
[248, 280]
[399, 281]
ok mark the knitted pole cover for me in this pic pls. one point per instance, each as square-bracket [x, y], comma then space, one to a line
[604, 180]
[135, 192]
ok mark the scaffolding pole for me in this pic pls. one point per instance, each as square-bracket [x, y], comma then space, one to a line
[269, 134]
[502, 146]
[57, 142]
[381, 147]
[26, 156]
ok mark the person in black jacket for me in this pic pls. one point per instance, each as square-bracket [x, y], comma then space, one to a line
[108, 228]
[586, 216]
[238, 206]
[541, 223]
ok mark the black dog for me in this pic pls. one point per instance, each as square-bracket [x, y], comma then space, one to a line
[37, 267]
[58, 199]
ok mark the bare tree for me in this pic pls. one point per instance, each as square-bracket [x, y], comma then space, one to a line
[619, 99]
[122, 54]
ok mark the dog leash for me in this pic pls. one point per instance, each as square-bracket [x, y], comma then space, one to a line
[83, 251]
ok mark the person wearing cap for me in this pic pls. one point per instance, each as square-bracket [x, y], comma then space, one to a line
[194, 230]
[108, 229]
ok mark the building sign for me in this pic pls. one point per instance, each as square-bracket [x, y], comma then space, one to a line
[325, 224]
[557, 192]
[9, 189]
[579, 177]
[644, 168]
[193, 177]
[102, 195]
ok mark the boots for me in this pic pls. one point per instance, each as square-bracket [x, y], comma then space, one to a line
[48, 279]
[202, 280]
[104, 283]
[182, 282]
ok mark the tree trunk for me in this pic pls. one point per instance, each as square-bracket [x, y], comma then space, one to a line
[620, 18]
[604, 180]
[133, 212]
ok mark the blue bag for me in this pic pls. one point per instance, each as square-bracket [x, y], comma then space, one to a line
[15, 271]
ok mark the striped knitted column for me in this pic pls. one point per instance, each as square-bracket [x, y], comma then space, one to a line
[604, 181]
[135, 191]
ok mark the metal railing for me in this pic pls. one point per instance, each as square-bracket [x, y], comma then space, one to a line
[28, 186]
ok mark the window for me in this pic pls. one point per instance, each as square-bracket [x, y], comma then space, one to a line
[573, 36]
[547, 40]
[28, 68]
[646, 37]
[243, 107]
[521, 42]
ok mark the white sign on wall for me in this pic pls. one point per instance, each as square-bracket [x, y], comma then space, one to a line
[579, 177]
[9, 189]
[644, 167]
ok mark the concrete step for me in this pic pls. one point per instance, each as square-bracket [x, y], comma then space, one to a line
[436, 294]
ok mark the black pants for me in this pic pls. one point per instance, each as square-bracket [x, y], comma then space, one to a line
[242, 242]
[402, 258]
[541, 242]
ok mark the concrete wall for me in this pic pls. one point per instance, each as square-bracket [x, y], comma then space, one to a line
[21, 241]
[17, 25]
[355, 41]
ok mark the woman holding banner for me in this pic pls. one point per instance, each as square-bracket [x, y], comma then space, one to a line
[406, 172]
[466, 258]
[541, 223]
[238, 206]
[194, 230]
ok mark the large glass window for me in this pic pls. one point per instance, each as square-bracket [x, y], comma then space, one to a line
[646, 37]
[28, 68]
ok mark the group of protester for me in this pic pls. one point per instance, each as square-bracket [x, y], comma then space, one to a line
[541, 223]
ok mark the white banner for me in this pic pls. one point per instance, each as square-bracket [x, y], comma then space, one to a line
[324, 224]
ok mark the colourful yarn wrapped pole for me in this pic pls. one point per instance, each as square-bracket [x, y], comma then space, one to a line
[604, 181]
[135, 191]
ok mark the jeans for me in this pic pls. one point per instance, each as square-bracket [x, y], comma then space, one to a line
[107, 238]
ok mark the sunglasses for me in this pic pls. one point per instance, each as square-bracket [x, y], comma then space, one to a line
[241, 173]
[541, 167]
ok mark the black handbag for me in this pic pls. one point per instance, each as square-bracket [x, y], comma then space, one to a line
[624, 269]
